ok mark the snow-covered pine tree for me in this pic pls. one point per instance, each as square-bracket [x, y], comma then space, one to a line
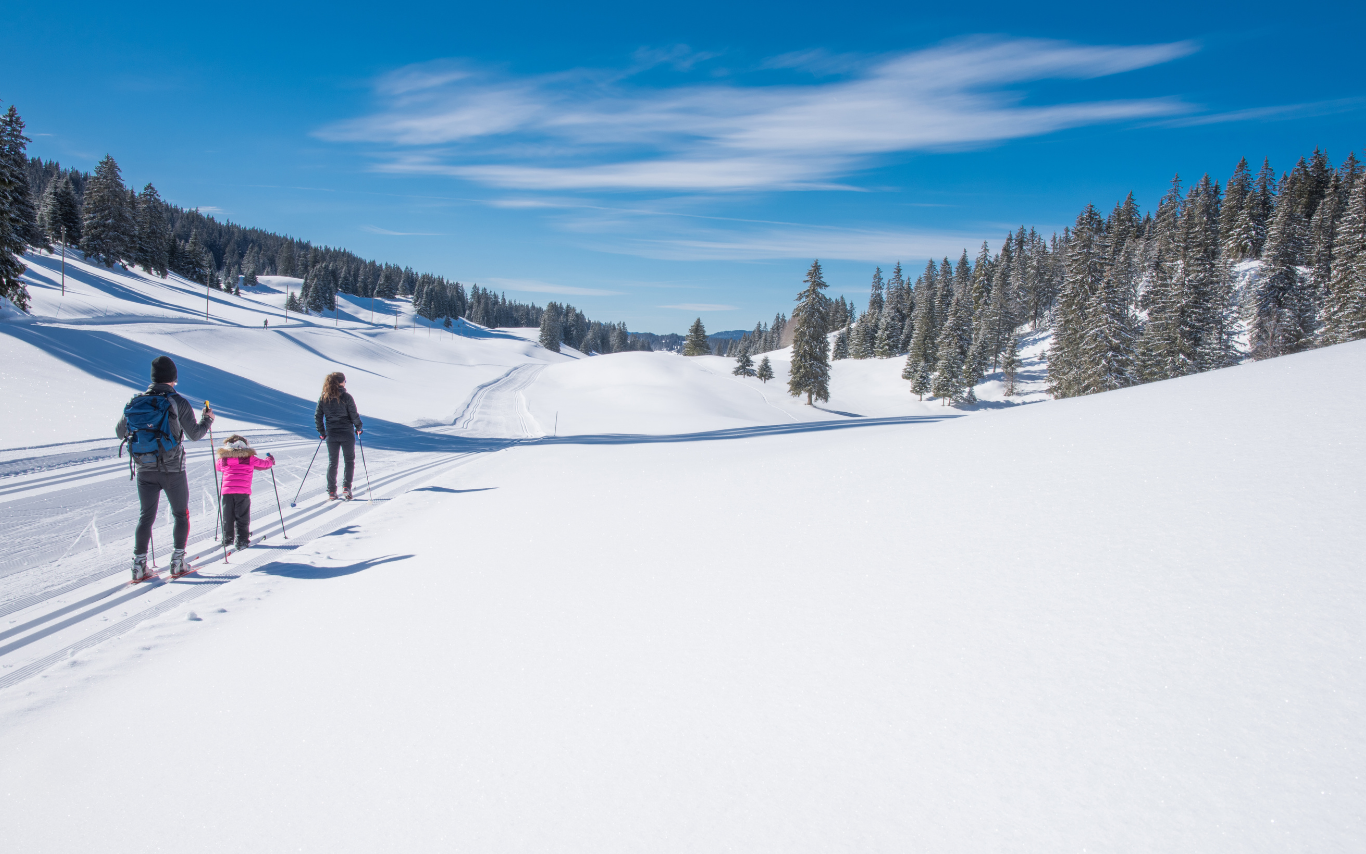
[105, 224]
[954, 341]
[765, 372]
[922, 349]
[22, 212]
[810, 348]
[1082, 279]
[1322, 230]
[1235, 244]
[1010, 366]
[696, 344]
[744, 365]
[153, 235]
[1345, 303]
[550, 328]
[1280, 311]
[60, 211]
[13, 184]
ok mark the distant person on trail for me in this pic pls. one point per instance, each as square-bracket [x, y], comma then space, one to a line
[237, 461]
[153, 425]
[338, 423]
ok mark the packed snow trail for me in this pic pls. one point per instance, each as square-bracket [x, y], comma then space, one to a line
[498, 409]
[43, 629]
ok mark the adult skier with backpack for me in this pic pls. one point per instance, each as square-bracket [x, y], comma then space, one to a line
[339, 423]
[153, 425]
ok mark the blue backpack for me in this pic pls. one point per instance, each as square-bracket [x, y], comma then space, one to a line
[150, 437]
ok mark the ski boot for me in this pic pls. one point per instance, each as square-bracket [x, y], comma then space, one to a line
[331, 495]
[242, 544]
[140, 570]
[346, 494]
[179, 566]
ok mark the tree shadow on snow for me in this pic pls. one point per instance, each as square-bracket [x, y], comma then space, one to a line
[318, 573]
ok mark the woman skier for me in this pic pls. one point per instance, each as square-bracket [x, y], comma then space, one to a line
[237, 461]
[339, 423]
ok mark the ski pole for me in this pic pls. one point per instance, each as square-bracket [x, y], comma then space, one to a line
[153, 540]
[295, 502]
[367, 469]
[218, 489]
[277, 500]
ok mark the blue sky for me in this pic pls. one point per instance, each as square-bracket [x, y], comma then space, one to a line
[654, 162]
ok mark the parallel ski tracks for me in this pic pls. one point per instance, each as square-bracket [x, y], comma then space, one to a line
[115, 593]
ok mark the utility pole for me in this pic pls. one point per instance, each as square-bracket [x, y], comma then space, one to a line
[64, 261]
[206, 297]
[288, 293]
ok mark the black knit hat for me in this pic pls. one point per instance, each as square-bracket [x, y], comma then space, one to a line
[163, 370]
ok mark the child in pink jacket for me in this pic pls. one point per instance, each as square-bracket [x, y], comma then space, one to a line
[237, 461]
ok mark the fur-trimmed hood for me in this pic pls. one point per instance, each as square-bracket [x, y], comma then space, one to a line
[236, 446]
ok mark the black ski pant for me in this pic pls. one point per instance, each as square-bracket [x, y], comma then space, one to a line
[151, 483]
[236, 517]
[347, 446]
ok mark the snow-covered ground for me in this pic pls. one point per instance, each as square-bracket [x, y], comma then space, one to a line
[633, 603]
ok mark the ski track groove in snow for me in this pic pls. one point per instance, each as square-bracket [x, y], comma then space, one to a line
[196, 584]
[498, 409]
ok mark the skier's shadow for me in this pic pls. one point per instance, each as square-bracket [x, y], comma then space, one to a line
[317, 573]
[448, 491]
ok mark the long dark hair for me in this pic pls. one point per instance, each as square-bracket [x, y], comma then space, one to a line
[332, 385]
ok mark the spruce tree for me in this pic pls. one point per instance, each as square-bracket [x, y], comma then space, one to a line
[59, 213]
[1345, 303]
[744, 365]
[21, 210]
[1082, 280]
[105, 232]
[954, 341]
[1010, 366]
[810, 348]
[1235, 243]
[13, 229]
[1280, 308]
[550, 328]
[696, 344]
[153, 235]
[765, 372]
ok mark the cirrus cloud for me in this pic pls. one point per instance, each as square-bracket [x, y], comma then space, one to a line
[596, 130]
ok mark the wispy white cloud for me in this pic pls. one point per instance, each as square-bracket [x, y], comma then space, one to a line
[845, 244]
[1281, 112]
[538, 287]
[374, 229]
[702, 306]
[210, 209]
[587, 129]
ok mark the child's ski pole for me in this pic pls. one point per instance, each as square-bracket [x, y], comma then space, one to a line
[295, 502]
[277, 499]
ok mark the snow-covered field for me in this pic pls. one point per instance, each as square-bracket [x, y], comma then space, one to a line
[632, 603]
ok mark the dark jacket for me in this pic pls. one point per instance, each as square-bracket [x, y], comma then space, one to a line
[183, 425]
[338, 418]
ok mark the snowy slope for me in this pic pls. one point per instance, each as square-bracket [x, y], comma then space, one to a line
[1130, 622]
[82, 354]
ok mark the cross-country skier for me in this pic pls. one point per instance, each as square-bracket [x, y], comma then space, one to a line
[164, 471]
[338, 423]
[237, 461]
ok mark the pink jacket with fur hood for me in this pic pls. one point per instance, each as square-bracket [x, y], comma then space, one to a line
[237, 461]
